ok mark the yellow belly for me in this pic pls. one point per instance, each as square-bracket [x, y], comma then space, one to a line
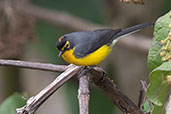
[94, 58]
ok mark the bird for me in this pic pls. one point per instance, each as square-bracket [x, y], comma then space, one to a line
[91, 47]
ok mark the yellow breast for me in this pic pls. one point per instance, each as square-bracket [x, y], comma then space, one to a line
[92, 59]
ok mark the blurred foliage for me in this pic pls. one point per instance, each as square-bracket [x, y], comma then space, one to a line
[11, 80]
[11, 103]
[48, 35]
[90, 9]
[165, 6]
[16, 30]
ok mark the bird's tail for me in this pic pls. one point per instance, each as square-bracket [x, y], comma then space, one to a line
[129, 30]
[132, 29]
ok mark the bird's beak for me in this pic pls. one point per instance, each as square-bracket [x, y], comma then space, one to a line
[60, 53]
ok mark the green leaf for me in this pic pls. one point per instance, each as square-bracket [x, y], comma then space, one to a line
[146, 107]
[159, 109]
[11, 103]
[158, 87]
[160, 33]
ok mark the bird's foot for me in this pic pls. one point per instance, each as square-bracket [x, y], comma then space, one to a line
[85, 70]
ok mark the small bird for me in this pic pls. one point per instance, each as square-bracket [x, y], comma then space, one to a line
[90, 48]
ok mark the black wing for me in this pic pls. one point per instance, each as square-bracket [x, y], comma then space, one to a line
[87, 42]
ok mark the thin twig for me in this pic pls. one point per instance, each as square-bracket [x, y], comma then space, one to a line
[142, 95]
[33, 65]
[83, 95]
[34, 102]
[113, 93]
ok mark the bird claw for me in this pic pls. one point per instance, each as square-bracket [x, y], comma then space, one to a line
[85, 70]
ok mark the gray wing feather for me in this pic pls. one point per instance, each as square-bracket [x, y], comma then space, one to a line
[93, 40]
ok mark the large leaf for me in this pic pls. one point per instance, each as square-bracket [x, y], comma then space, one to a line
[11, 103]
[158, 87]
[159, 109]
[160, 33]
[159, 64]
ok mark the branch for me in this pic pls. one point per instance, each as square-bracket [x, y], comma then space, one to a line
[142, 95]
[33, 65]
[34, 102]
[140, 2]
[83, 95]
[65, 20]
[98, 76]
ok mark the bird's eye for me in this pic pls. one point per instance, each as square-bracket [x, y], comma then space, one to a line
[67, 45]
